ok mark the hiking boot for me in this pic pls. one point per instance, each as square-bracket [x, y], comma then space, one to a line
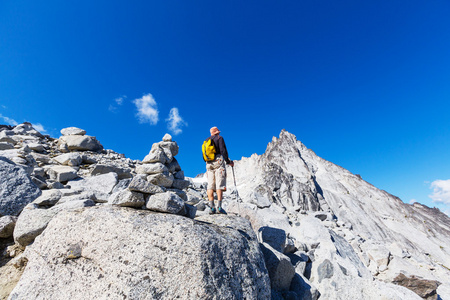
[213, 211]
[221, 211]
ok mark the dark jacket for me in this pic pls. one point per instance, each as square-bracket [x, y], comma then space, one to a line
[221, 149]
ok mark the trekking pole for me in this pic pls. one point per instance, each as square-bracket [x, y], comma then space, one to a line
[238, 199]
[235, 188]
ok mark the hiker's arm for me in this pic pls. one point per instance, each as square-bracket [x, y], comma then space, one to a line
[223, 151]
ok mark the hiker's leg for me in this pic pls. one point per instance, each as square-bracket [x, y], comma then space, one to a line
[210, 195]
[210, 198]
[210, 174]
[219, 197]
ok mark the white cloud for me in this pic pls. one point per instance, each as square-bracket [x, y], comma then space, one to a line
[39, 127]
[117, 102]
[412, 201]
[147, 109]
[112, 108]
[9, 120]
[441, 191]
[175, 121]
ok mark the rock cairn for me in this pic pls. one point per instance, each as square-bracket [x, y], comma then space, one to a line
[159, 183]
[42, 176]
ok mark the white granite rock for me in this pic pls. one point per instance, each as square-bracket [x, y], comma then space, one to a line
[151, 168]
[161, 179]
[6, 146]
[85, 195]
[156, 155]
[444, 291]
[304, 288]
[167, 138]
[7, 224]
[143, 256]
[6, 138]
[31, 223]
[48, 197]
[279, 267]
[61, 173]
[140, 184]
[122, 173]
[73, 131]
[26, 129]
[179, 175]
[103, 183]
[170, 150]
[16, 188]
[127, 198]
[174, 166]
[380, 255]
[180, 184]
[275, 237]
[69, 159]
[167, 202]
[81, 142]
[36, 147]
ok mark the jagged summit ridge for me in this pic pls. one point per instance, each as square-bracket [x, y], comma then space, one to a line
[291, 179]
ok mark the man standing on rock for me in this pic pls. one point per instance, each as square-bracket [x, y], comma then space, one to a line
[216, 171]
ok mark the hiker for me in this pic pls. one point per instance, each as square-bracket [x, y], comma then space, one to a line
[216, 171]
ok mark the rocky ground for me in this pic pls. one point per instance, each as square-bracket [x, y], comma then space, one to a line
[83, 222]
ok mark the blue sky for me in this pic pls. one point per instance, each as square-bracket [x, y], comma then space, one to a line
[365, 84]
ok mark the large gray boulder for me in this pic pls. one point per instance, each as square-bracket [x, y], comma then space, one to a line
[279, 266]
[69, 159]
[61, 173]
[6, 146]
[127, 198]
[104, 169]
[167, 202]
[422, 287]
[140, 184]
[103, 183]
[162, 179]
[155, 155]
[275, 237]
[73, 131]
[16, 188]
[152, 168]
[81, 142]
[48, 197]
[304, 288]
[180, 184]
[7, 224]
[111, 252]
[31, 222]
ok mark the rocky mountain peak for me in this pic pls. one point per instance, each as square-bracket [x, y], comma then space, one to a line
[291, 179]
[286, 141]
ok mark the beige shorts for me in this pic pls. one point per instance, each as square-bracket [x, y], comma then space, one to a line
[217, 174]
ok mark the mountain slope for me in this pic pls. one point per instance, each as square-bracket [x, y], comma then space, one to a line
[291, 179]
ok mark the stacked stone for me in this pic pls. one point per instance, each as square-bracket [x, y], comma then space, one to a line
[159, 183]
[74, 138]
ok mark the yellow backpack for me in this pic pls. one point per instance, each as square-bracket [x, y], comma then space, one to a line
[209, 150]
